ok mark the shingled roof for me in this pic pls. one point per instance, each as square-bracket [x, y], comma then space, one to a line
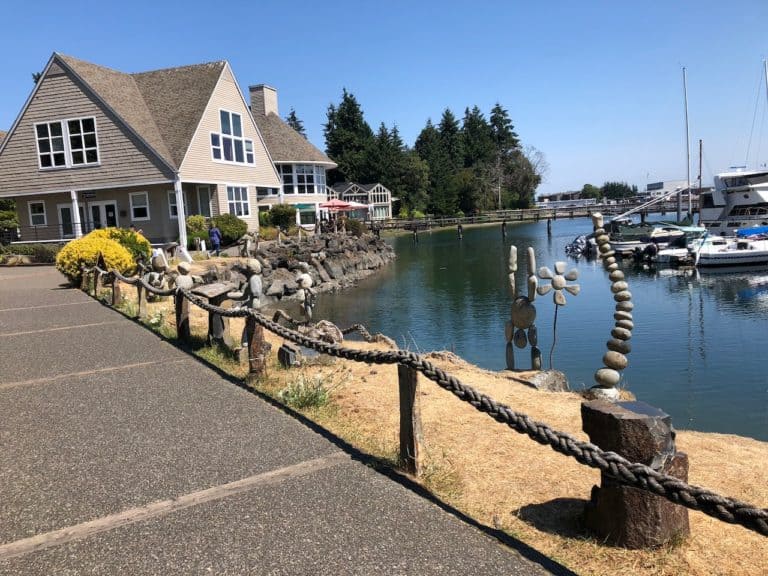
[287, 145]
[164, 107]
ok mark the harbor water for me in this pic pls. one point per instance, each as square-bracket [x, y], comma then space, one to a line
[699, 347]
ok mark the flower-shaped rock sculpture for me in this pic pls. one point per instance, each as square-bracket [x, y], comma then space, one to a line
[559, 282]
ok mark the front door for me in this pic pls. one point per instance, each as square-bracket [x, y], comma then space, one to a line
[204, 200]
[67, 222]
[103, 214]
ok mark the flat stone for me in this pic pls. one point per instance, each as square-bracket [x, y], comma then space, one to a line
[607, 378]
[626, 306]
[616, 275]
[608, 260]
[621, 333]
[549, 381]
[619, 315]
[603, 248]
[612, 267]
[523, 312]
[619, 286]
[603, 393]
[615, 360]
[628, 324]
[520, 339]
[623, 296]
[603, 239]
[621, 346]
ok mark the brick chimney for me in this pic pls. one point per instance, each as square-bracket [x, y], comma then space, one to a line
[263, 99]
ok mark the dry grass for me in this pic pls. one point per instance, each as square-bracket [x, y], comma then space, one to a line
[507, 481]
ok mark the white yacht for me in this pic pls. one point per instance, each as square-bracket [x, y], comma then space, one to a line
[738, 201]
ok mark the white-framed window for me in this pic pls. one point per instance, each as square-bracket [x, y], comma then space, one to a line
[302, 178]
[266, 192]
[139, 206]
[67, 143]
[37, 215]
[229, 145]
[173, 208]
[237, 199]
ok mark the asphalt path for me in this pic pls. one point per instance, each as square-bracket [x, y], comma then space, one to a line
[121, 454]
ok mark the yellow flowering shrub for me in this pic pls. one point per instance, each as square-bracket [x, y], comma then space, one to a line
[134, 242]
[86, 250]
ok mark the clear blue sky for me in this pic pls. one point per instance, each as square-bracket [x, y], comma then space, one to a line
[595, 86]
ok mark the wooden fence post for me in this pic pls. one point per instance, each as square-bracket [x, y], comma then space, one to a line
[181, 306]
[116, 292]
[410, 420]
[142, 298]
[256, 348]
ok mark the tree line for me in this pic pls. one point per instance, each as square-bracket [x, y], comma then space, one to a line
[609, 190]
[455, 167]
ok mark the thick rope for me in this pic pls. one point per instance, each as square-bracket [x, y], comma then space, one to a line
[630, 473]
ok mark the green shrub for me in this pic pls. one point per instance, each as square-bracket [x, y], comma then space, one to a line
[417, 214]
[356, 227]
[197, 227]
[305, 392]
[265, 219]
[135, 243]
[403, 212]
[232, 228]
[267, 233]
[43, 253]
[283, 215]
[85, 251]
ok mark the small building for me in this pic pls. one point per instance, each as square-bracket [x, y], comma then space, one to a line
[302, 167]
[94, 147]
[376, 197]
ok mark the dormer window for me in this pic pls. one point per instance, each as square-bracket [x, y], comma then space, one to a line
[229, 144]
[67, 143]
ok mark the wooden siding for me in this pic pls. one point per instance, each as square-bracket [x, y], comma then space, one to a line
[124, 159]
[198, 164]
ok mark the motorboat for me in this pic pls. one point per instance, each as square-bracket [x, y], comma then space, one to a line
[739, 251]
[739, 200]
[682, 250]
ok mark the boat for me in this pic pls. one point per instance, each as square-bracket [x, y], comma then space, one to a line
[738, 201]
[683, 250]
[738, 251]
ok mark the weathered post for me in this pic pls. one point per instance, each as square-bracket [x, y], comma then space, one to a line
[620, 514]
[410, 420]
[181, 306]
[257, 350]
[141, 295]
[116, 291]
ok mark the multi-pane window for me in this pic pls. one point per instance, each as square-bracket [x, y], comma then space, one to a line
[237, 199]
[63, 144]
[37, 214]
[286, 171]
[302, 179]
[173, 207]
[139, 205]
[305, 179]
[229, 145]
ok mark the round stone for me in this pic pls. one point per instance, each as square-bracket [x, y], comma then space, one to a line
[617, 345]
[523, 313]
[558, 282]
[603, 239]
[619, 286]
[621, 333]
[184, 267]
[622, 315]
[616, 275]
[624, 306]
[603, 393]
[304, 280]
[533, 336]
[607, 378]
[254, 266]
[609, 254]
[520, 339]
[609, 260]
[615, 360]
[604, 248]
[612, 267]
[623, 296]
[628, 324]
[599, 232]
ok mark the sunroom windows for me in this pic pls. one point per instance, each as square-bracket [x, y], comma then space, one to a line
[67, 143]
[229, 145]
[302, 178]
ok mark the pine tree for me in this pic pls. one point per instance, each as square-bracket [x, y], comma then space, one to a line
[504, 137]
[478, 140]
[293, 121]
[349, 141]
[432, 149]
[451, 141]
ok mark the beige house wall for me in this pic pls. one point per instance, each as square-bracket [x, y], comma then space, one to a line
[123, 158]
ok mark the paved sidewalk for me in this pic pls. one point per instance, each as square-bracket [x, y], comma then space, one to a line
[120, 454]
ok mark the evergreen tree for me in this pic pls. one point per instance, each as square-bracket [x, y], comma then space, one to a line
[451, 141]
[502, 132]
[430, 147]
[293, 121]
[349, 141]
[476, 134]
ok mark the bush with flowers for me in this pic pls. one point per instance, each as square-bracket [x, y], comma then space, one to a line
[85, 252]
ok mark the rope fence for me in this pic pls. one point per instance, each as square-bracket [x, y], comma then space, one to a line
[629, 473]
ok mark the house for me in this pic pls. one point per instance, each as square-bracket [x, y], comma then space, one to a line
[302, 167]
[376, 197]
[94, 147]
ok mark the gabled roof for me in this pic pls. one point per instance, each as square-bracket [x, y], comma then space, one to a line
[287, 145]
[341, 187]
[163, 107]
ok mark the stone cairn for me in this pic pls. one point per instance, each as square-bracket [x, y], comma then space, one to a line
[615, 360]
[521, 328]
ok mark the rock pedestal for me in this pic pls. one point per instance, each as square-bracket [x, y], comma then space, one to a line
[623, 515]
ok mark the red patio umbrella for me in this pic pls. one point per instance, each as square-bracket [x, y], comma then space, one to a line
[335, 205]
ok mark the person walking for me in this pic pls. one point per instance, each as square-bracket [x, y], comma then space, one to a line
[214, 234]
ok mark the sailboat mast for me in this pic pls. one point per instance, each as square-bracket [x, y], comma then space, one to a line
[687, 149]
[699, 194]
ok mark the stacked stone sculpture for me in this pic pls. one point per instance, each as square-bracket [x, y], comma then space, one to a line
[305, 294]
[615, 359]
[521, 328]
